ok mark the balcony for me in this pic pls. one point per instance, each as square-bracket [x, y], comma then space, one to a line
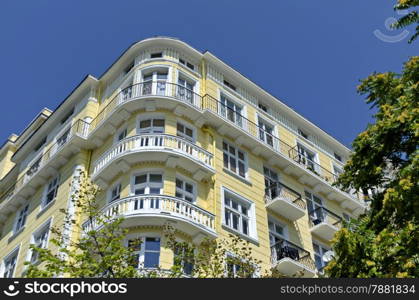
[159, 210]
[68, 142]
[173, 150]
[285, 201]
[291, 260]
[247, 133]
[148, 96]
[324, 223]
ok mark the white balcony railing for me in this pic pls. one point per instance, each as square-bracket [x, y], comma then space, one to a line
[158, 205]
[153, 142]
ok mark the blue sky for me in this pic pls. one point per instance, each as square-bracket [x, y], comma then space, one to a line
[310, 54]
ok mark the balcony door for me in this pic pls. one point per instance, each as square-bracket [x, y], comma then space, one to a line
[231, 111]
[155, 83]
[307, 158]
[151, 128]
[185, 90]
[150, 183]
[271, 179]
[314, 207]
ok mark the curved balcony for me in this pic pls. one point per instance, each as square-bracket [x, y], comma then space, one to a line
[291, 260]
[285, 201]
[148, 96]
[324, 223]
[173, 150]
[159, 210]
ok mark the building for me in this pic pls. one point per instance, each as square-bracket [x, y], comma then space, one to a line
[174, 135]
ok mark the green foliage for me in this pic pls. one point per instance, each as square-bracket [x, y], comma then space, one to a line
[95, 253]
[410, 18]
[386, 159]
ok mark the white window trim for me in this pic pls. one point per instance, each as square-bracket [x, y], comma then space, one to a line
[45, 205]
[16, 251]
[143, 172]
[256, 274]
[15, 230]
[253, 235]
[191, 181]
[274, 126]
[237, 101]
[322, 245]
[246, 160]
[143, 236]
[273, 219]
[180, 73]
[109, 192]
[118, 132]
[190, 125]
[149, 116]
[47, 223]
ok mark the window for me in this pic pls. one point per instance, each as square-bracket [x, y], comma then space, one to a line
[147, 253]
[314, 207]
[185, 190]
[266, 132]
[226, 83]
[159, 79]
[156, 55]
[21, 218]
[149, 126]
[234, 160]
[185, 131]
[307, 158]
[238, 268]
[338, 157]
[236, 213]
[346, 217]
[187, 64]
[319, 251]
[336, 172]
[231, 111]
[10, 264]
[67, 116]
[51, 191]
[277, 232]
[41, 143]
[40, 240]
[302, 133]
[186, 89]
[263, 107]
[115, 193]
[129, 67]
[148, 183]
[121, 135]
[271, 178]
[63, 138]
[184, 259]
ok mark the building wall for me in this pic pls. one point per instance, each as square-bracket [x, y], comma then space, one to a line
[209, 197]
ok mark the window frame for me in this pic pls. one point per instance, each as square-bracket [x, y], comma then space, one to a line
[25, 210]
[273, 134]
[14, 254]
[153, 129]
[142, 251]
[315, 205]
[110, 197]
[185, 181]
[147, 185]
[251, 216]
[275, 223]
[45, 227]
[320, 255]
[183, 135]
[224, 108]
[47, 191]
[236, 158]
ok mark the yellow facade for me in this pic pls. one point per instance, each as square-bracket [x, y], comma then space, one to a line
[112, 127]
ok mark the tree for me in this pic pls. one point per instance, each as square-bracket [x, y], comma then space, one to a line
[96, 253]
[410, 18]
[96, 248]
[384, 242]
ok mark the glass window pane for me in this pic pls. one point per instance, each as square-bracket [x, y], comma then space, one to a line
[152, 244]
[225, 146]
[158, 122]
[154, 191]
[233, 164]
[139, 191]
[179, 127]
[232, 150]
[151, 259]
[145, 124]
[235, 221]
[189, 188]
[156, 178]
[179, 183]
[225, 159]
[189, 132]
